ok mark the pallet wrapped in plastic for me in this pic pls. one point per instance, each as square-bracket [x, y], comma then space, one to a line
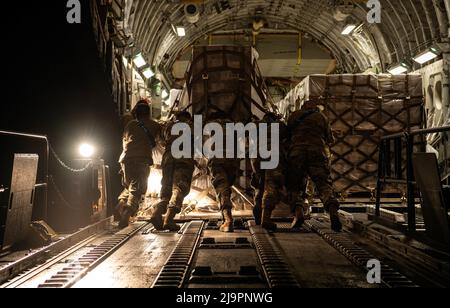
[362, 109]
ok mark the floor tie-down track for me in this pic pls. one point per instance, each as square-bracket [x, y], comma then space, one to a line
[200, 256]
[204, 257]
[253, 258]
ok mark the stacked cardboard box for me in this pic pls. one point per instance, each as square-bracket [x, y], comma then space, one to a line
[362, 109]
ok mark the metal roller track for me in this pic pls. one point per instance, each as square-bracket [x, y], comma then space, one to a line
[28, 263]
[173, 274]
[358, 256]
[29, 275]
[276, 270]
[76, 270]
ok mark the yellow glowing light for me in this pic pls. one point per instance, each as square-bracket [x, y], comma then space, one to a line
[86, 150]
[154, 182]
[199, 199]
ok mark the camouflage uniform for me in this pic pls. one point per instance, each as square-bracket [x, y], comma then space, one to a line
[224, 172]
[176, 183]
[269, 184]
[134, 180]
[311, 137]
[176, 180]
[136, 160]
[257, 183]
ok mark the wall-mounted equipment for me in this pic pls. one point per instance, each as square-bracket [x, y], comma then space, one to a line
[258, 25]
[192, 13]
[222, 5]
[343, 10]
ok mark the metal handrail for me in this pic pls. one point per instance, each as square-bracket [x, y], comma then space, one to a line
[425, 131]
[384, 174]
[46, 165]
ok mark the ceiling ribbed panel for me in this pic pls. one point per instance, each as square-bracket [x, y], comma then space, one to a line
[407, 27]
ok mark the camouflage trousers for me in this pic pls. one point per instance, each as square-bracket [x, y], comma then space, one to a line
[134, 180]
[313, 163]
[176, 181]
[257, 182]
[268, 186]
[273, 187]
[224, 173]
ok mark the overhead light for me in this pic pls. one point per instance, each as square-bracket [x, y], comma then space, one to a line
[348, 29]
[426, 56]
[86, 150]
[398, 69]
[181, 31]
[164, 94]
[148, 73]
[139, 61]
[125, 61]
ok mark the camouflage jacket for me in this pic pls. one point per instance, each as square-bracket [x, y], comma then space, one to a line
[309, 128]
[137, 145]
[168, 139]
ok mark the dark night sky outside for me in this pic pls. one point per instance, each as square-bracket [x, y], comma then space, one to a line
[54, 82]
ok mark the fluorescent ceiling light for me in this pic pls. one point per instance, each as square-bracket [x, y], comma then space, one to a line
[426, 56]
[348, 29]
[398, 70]
[181, 31]
[139, 61]
[148, 73]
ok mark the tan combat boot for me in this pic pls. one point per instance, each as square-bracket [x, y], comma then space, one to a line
[267, 222]
[157, 217]
[125, 217]
[119, 210]
[227, 226]
[257, 214]
[169, 221]
[299, 218]
[333, 209]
